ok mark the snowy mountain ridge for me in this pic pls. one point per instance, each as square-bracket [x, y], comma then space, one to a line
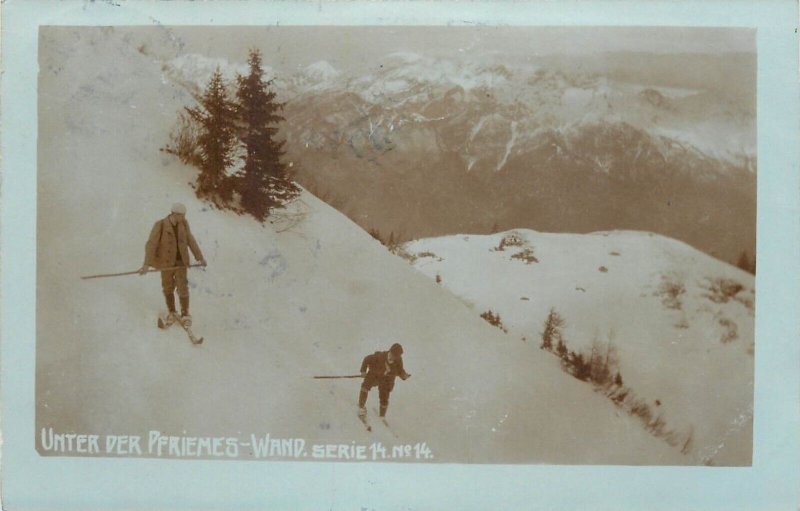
[550, 97]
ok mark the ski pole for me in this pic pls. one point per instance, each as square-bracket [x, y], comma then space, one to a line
[137, 271]
[331, 377]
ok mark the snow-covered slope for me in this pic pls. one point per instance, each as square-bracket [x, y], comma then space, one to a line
[681, 321]
[275, 307]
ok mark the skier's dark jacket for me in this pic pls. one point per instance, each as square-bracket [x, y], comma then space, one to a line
[380, 371]
[168, 246]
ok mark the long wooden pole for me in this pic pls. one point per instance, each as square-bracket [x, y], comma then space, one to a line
[332, 377]
[137, 271]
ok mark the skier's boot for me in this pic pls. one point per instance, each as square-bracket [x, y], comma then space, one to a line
[383, 410]
[362, 412]
[185, 318]
[165, 320]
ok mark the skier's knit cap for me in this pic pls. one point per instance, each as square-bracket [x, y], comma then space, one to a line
[396, 349]
[179, 208]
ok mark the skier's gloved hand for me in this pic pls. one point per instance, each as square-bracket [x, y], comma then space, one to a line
[406, 376]
[143, 269]
[203, 263]
[363, 374]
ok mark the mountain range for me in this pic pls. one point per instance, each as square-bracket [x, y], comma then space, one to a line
[417, 145]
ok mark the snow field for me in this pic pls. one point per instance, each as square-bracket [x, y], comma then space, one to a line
[689, 353]
[275, 308]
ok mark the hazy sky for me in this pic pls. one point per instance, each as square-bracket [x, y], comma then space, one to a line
[350, 46]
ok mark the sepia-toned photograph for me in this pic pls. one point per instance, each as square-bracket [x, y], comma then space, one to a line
[397, 244]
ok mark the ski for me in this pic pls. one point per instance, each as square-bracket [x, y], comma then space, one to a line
[363, 419]
[188, 329]
[167, 321]
[386, 423]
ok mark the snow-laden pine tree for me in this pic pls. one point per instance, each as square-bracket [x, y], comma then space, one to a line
[264, 183]
[216, 117]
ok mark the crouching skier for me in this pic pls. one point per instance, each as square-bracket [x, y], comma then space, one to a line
[380, 369]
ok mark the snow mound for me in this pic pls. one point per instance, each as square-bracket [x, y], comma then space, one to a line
[681, 321]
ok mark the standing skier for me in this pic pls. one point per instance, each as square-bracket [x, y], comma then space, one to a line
[380, 369]
[168, 247]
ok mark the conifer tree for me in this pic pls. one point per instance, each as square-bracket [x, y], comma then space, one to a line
[552, 330]
[581, 368]
[264, 183]
[215, 117]
[561, 349]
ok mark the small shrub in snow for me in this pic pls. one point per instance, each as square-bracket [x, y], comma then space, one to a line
[642, 409]
[730, 333]
[619, 395]
[722, 290]
[526, 255]
[670, 292]
[375, 233]
[657, 425]
[603, 269]
[438, 279]
[393, 243]
[401, 251]
[183, 141]
[614, 253]
[683, 324]
[688, 444]
[510, 240]
[494, 319]
[603, 362]
[579, 366]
